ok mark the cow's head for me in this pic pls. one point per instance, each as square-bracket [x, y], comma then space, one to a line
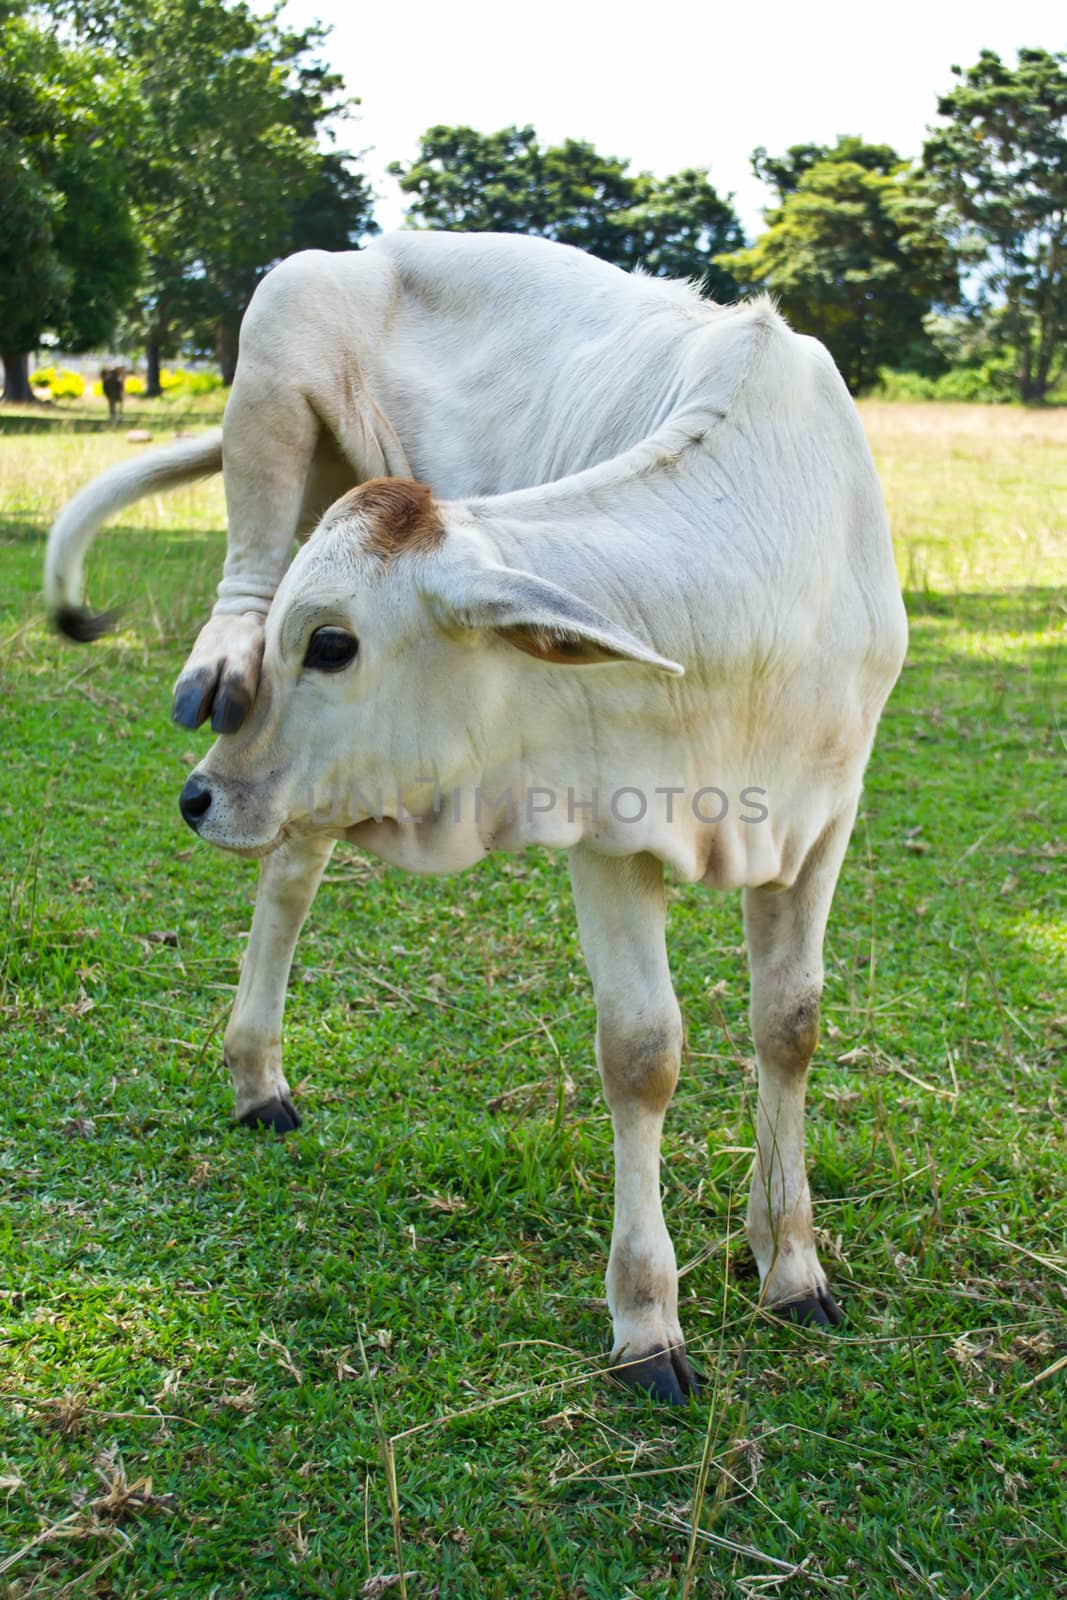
[392, 660]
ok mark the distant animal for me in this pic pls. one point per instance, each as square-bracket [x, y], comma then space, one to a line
[113, 381]
[646, 611]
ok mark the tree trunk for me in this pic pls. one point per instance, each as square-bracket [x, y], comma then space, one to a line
[153, 357]
[1051, 324]
[226, 336]
[1025, 370]
[17, 375]
[1046, 350]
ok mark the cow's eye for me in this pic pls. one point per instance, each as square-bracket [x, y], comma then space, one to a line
[330, 650]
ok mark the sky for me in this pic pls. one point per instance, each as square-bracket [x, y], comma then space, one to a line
[669, 83]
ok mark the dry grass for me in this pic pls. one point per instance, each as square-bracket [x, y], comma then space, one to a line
[40, 471]
[977, 494]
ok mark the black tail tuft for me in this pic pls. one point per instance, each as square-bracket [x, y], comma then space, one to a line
[83, 625]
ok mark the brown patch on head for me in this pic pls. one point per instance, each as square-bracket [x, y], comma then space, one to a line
[398, 515]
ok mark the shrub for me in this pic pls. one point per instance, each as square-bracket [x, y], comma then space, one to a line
[990, 383]
[202, 382]
[177, 381]
[61, 383]
[188, 382]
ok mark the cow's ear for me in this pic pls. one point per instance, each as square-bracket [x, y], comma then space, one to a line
[538, 618]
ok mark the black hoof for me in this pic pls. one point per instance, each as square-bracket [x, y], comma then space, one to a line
[818, 1310]
[232, 705]
[194, 697]
[664, 1374]
[279, 1114]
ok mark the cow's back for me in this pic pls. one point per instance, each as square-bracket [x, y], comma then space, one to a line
[504, 361]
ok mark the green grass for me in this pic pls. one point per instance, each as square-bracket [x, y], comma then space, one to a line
[216, 1348]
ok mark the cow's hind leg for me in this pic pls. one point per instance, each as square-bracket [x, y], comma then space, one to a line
[253, 1047]
[299, 430]
[621, 916]
[784, 932]
[269, 437]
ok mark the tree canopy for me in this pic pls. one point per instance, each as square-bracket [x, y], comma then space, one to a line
[998, 162]
[854, 253]
[231, 171]
[157, 157]
[69, 250]
[783, 173]
[507, 182]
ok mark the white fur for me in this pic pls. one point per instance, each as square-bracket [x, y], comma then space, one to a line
[681, 489]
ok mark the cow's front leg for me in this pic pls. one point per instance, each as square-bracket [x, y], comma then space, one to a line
[253, 1047]
[784, 933]
[621, 918]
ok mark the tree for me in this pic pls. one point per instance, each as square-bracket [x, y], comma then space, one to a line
[783, 173]
[999, 164]
[680, 227]
[69, 254]
[470, 182]
[232, 172]
[853, 253]
[33, 279]
[506, 182]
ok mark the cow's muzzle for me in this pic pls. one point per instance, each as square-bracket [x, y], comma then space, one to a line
[194, 802]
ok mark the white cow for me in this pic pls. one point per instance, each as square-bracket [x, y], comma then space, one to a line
[668, 644]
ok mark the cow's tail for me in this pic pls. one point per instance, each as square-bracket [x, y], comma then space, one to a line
[74, 529]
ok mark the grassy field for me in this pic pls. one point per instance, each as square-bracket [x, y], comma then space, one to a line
[238, 1366]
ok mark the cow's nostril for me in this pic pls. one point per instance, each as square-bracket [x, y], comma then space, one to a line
[194, 801]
